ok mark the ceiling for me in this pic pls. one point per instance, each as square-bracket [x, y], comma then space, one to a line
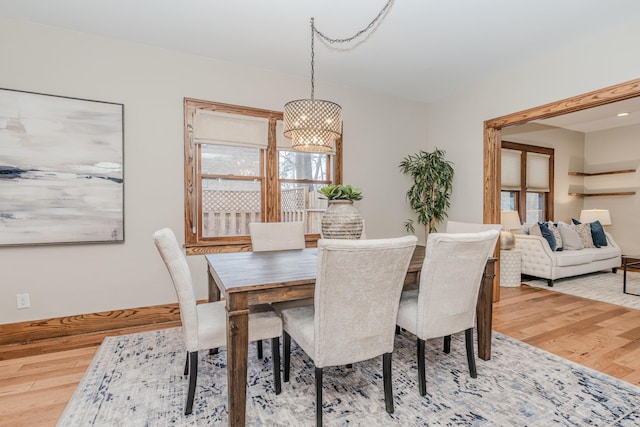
[423, 49]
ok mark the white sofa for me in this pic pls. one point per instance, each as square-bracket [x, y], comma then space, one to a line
[540, 261]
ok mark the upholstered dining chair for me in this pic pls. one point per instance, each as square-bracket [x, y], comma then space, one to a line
[276, 236]
[445, 302]
[470, 227]
[357, 291]
[204, 325]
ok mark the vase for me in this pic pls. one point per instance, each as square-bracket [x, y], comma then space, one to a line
[341, 220]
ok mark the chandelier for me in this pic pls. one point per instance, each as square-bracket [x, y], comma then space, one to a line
[313, 125]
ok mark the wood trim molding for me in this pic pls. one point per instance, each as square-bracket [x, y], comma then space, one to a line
[492, 139]
[36, 330]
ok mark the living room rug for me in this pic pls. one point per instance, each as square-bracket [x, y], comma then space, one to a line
[136, 380]
[601, 286]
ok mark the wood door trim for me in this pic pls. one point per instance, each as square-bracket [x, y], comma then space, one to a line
[492, 139]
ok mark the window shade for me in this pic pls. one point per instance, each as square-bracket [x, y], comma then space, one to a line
[537, 172]
[511, 170]
[212, 127]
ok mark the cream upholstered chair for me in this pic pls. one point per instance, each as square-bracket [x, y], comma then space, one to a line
[276, 236]
[470, 227]
[357, 291]
[445, 302]
[204, 325]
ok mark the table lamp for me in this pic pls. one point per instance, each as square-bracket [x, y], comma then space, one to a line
[591, 215]
[510, 220]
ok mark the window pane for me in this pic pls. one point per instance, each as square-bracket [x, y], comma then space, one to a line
[228, 160]
[508, 200]
[301, 202]
[535, 207]
[297, 165]
[229, 205]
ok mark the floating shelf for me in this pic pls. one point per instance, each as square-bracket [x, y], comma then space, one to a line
[612, 193]
[602, 173]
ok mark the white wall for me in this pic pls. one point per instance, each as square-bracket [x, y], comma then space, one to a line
[456, 123]
[151, 83]
[568, 157]
[616, 149]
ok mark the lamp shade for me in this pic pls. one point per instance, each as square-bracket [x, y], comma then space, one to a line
[510, 220]
[591, 215]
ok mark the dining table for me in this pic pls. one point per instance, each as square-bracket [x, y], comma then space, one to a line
[248, 278]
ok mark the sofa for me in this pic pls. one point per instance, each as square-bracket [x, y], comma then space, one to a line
[540, 261]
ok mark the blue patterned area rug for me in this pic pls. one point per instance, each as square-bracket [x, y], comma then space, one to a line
[136, 380]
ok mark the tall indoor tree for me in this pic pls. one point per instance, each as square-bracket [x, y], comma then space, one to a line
[430, 194]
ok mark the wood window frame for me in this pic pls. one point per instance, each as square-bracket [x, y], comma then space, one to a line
[521, 195]
[195, 244]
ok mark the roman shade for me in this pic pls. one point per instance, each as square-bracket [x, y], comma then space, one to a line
[212, 127]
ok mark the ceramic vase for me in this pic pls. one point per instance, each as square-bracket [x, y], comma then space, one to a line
[341, 220]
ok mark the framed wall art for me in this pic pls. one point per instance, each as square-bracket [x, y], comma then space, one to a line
[61, 170]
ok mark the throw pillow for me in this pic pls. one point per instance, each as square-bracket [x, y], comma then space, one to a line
[556, 233]
[584, 231]
[597, 233]
[534, 230]
[570, 238]
[548, 235]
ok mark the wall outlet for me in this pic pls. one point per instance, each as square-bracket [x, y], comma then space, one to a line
[23, 301]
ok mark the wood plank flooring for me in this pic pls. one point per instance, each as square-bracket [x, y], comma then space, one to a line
[37, 380]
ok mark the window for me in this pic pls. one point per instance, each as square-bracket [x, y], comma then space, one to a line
[527, 181]
[239, 168]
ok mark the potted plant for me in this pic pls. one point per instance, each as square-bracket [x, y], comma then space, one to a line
[429, 195]
[341, 220]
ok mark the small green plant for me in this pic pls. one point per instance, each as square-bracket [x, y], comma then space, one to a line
[341, 192]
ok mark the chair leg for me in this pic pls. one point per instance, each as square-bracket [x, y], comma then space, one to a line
[397, 330]
[471, 359]
[213, 351]
[388, 386]
[318, 397]
[286, 349]
[447, 344]
[259, 342]
[275, 355]
[422, 378]
[193, 377]
[186, 366]
[349, 365]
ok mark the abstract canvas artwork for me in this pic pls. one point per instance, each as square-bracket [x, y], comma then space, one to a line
[61, 170]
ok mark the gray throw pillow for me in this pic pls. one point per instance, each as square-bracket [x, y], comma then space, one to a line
[570, 238]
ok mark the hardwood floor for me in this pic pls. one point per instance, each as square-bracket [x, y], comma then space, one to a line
[37, 380]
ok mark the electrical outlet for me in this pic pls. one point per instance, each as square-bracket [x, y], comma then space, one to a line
[23, 301]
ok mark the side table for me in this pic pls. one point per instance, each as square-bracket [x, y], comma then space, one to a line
[510, 268]
[628, 261]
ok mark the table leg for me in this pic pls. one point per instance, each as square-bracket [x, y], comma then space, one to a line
[237, 352]
[484, 311]
[624, 278]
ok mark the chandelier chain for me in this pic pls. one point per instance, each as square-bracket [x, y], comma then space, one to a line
[315, 31]
[356, 35]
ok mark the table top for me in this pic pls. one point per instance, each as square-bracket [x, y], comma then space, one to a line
[245, 271]
[631, 257]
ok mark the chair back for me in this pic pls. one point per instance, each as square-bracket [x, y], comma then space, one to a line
[470, 227]
[176, 263]
[357, 294]
[276, 236]
[450, 280]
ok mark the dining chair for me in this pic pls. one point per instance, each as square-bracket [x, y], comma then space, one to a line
[470, 227]
[445, 302]
[204, 325]
[358, 286]
[276, 236]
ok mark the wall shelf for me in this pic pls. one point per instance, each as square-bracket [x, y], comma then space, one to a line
[602, 173]
[612, 193]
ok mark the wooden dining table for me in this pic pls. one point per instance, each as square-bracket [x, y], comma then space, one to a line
[248, 278]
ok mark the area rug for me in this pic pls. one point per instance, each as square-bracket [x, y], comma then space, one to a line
[136, 380]
[602, 286]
